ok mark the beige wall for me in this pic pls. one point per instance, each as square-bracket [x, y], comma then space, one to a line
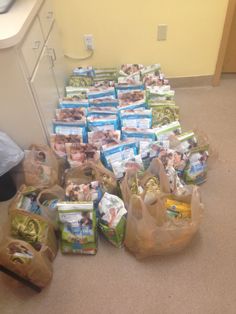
[125, 31]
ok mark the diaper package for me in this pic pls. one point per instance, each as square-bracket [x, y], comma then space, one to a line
[100, 138]
[138, 134]
[163, 113]
[108, 101]
[131, 99]
[102, 111]
[78, 92]
[68, 129]
[84, 71]
[98, 92]
[72, 102]
[80, 81]
[58, 142]
[83, 192]
[71, 115]
[78, 154]
[130, 96]
[119, 152]
[125, 85]
[165, 131]
[159, 93]
[78, 227]
[185, 142]
[105, 75]
[120, 167]
[130, 73]
[153, 150]
[150, 69]
[99, 123]
[112, 219]
[136, 118]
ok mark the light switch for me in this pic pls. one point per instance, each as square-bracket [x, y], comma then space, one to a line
[162, 32]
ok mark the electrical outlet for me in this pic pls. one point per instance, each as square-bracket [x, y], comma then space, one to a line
[162, 32]
[88, 40]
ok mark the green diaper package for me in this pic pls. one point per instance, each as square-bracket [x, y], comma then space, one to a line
[112, 219]
[78, 227]
[164, 113]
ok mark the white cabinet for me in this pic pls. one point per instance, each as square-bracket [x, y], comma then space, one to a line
[48, 80]
[32, 72]
[58, 61]
[45, 90]
[46, 17]
[31, 47]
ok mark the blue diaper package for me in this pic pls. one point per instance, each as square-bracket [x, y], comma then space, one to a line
[103, 102]
[101, 92]
[138, 134]
[99, 123]
[70, 102]
[102, 111]
[133, 105]
[131, 99]
[77, 115]
[70, 129]
[112, 153]
[86, 71]
[129, 87]
[136, 118]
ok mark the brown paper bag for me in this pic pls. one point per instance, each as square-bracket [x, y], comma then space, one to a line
[16, 201]
[145, 238]
[56, 192]
[91, 171]
[21, 258]
[40, 167]
[35, 230]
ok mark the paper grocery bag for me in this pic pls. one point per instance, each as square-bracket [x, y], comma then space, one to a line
[21, 258]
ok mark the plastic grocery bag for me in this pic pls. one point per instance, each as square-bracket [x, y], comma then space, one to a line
[21, 258]
[10, 154]
[144, 237]
[155, 169]
[40, 167]
[91, 171]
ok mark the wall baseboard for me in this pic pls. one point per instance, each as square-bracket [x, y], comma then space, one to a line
[191, 81]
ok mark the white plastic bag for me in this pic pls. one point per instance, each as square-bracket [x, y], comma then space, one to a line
[10, 154]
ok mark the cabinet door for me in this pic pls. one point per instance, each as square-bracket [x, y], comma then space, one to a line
[55, 50]
[32, 46]
[45, 90]
[46, 17]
